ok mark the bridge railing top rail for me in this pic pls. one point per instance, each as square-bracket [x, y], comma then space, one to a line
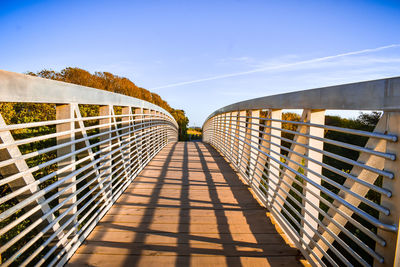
[383, 94]
[16, 87]
[67, 152]
[330, 183]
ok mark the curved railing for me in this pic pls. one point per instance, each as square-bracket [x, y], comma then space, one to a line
[67, 152]
[334, 191]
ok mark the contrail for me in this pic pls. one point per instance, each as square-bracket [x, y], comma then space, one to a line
[279, 66]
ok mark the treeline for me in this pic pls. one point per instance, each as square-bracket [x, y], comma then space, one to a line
[116, 84]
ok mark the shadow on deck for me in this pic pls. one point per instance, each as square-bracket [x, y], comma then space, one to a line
[186, 208]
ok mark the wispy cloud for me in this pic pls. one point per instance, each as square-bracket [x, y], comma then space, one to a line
[281, 66]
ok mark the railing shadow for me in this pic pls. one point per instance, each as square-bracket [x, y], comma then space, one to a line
[225, 239]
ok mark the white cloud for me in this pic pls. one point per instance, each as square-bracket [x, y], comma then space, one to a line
[327, 61]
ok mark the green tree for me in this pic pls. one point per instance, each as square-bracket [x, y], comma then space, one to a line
[182, 121]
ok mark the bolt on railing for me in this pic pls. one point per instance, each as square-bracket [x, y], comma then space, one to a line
[61, 171]
[334, 191]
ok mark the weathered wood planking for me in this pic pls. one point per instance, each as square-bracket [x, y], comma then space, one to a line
[187, 208]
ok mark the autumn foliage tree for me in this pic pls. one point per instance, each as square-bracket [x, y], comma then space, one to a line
[116, 84]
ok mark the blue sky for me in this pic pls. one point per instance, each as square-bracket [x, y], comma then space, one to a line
[264, 47]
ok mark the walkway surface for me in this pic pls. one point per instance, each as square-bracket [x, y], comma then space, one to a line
[187, 208]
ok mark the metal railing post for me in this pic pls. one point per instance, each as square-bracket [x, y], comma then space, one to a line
[333, 189]
[393, 203]
[275, 150]
[66, 111]
[254, 128]
[60, 176]
[105, 147]
[241, 138]
[397, 253]
[315, 117]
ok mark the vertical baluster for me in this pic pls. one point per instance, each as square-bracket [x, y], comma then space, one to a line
[216, 133]
[225, 131]
[275, 114]
[241, 136]
[315, 117]
[231, 134]
[139, 134]
[254, 141]
[296, 148]
[105, 148]
[125, 138]
[165, 127]
[154, 132]
[236, 142]
[146, 140]
[244, 166]
[157, 140]
[393, 203]
[66, 111]
[228, 134]
[262, 159]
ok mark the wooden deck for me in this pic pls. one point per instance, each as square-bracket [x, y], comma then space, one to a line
[187, 208]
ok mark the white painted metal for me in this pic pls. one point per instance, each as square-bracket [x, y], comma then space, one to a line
[334, 216]
[55, 193]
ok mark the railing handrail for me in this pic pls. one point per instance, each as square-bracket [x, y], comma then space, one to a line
[333, 190]
[16, 87]
[80, 148]
[382, 94]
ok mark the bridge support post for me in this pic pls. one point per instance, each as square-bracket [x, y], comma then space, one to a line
[264, 147]
[218, 130]
[295, 148]
[66, 111]
[146, 139]
[393, 203]
[223, 130]
[232, 130]
[275, 151]
[138, 122]
[158, 132]
[242, 140]
[154, 131]
[310, 214]
[125, 139]
[229, 135]
[105, 129]
[254, 142]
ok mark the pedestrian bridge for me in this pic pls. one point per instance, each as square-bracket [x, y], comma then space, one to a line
[93, 178]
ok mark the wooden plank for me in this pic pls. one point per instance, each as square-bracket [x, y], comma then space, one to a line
[186, 204]
[172, 260]
[119, 248]
[167, 237]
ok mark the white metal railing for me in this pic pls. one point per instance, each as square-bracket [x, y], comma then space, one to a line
[60, 172]
[334, 191]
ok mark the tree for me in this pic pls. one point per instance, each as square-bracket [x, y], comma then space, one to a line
[116, 84]
[182, 121]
